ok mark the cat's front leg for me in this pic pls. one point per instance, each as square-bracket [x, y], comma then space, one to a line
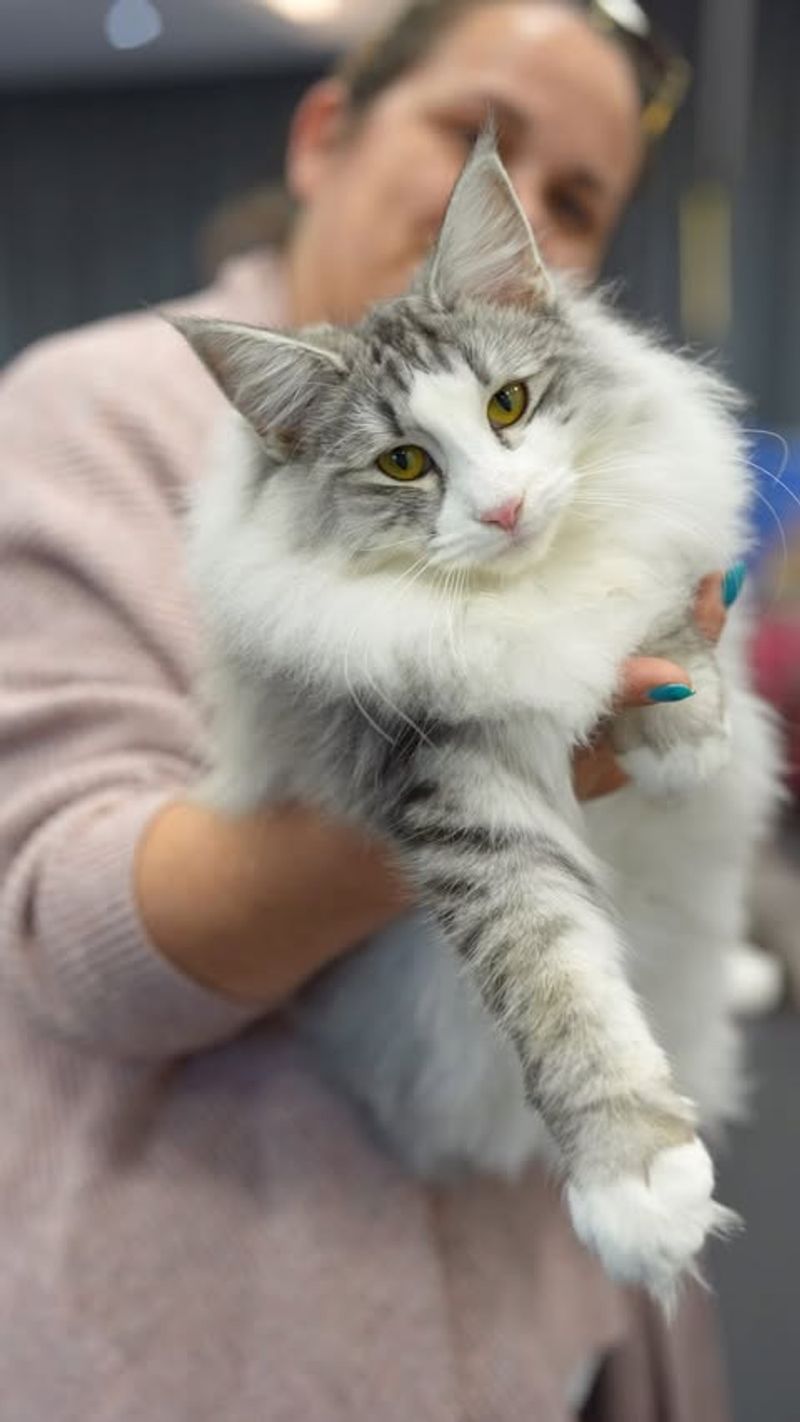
[524, 906]
[673, 747]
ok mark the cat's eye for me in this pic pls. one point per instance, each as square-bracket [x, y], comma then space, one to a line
[408, 461]
[507, 407]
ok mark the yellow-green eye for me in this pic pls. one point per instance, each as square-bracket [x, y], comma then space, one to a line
[408, 461]
[508, 406]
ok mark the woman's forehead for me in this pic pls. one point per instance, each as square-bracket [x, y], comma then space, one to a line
[519, 38]
[547, 75]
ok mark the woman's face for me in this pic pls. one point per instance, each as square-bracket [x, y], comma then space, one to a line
[567, 112]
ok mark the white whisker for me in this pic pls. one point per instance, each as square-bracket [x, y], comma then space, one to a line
[356, 699]
[784, 546]
[402, 585]
[381, 694]
[409, 576]
[450, 601]
[601, 502]
[759, 469]
[462, 576]
[773, 434]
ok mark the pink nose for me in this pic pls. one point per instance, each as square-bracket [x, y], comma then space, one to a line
[505, 515]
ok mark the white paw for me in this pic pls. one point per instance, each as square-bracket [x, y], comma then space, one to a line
[680, 769]
[648, 1230]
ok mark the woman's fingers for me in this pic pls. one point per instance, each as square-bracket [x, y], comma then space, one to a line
[650, 681]
[716, 594]
[709, 607]
[596, 771]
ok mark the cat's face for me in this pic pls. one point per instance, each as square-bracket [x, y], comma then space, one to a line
[451, 443]
[444, 430]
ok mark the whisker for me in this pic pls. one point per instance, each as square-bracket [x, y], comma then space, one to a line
[382, 695]
[602, 502]
[449, 584]
[410, 574]
[462, 577]
[356, 699]
[372, 559]
[416, 569]
[453, 583]
[759, 469]
[773, 434]
[778, 480]
[431, 630]
[784, 546]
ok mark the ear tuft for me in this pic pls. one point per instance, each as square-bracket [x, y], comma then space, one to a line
[486, 250]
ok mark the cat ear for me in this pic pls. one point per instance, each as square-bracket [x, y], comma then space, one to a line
[486, 249]
[269, 378]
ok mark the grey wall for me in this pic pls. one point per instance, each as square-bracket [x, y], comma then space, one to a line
[766, 344]
[102, 195]
[762, 352]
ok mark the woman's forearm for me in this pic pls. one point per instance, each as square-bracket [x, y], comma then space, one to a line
[253, 906]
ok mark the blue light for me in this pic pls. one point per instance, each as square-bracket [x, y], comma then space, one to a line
[131, 24]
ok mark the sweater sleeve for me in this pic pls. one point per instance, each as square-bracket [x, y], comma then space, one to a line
[98, 725]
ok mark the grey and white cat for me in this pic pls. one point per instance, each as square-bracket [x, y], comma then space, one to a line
[427, 546]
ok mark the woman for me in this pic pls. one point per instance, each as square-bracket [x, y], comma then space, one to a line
[194, 1227]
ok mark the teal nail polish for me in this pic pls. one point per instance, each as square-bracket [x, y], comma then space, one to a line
[673, 691]
[733, 582]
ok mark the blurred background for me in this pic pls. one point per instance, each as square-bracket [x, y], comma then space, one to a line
[113, 158]
[129, 131]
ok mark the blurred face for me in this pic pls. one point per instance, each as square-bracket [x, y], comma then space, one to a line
[567, 111]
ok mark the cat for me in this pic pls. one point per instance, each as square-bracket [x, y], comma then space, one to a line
[427, 544]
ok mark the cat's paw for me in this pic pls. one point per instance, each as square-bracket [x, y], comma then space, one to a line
[679, 768]
[649, 1229]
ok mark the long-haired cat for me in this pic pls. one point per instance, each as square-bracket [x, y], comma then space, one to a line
[428, 544]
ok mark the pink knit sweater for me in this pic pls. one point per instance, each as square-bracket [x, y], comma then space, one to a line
[192, 1226]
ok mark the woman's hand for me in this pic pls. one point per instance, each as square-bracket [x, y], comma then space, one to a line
[596, 769]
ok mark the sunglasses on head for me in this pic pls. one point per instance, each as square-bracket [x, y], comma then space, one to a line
[663, 72]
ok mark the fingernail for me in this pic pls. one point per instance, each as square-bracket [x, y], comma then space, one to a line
[672, 691]
[732, 583]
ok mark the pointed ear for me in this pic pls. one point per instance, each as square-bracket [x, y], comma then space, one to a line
[486, 250]
[271, 379]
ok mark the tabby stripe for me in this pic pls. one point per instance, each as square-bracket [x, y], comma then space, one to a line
[451, 886]
[390, 415]
[548, 852]
[459, 837]
[416, 794]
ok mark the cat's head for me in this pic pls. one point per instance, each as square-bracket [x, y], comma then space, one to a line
[442, 430]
